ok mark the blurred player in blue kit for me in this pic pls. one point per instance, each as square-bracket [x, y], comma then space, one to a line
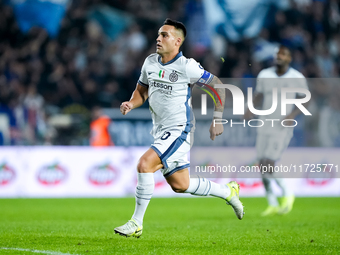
[165, 80]
[272, 140]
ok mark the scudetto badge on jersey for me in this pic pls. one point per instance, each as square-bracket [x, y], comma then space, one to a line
[161, 74]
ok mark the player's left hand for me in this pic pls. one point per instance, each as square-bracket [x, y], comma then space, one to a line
[215, 131]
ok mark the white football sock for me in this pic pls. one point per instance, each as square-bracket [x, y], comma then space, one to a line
[282, 184]
[144, 191]
[202, 187]
[271, 197]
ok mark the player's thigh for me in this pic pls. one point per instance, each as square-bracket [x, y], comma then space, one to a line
[172, 147]
[180, 180]
[276, 145]
[149, 162]
[261, 145]
[168, 143]
[173, 150]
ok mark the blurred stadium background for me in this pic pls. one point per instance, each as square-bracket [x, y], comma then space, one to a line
[66, 63]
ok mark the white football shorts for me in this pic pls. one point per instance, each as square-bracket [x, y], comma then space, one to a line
[272, 145]
[172, 146]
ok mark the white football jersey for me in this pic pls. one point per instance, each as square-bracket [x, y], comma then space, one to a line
[266, 81]
[169, 91]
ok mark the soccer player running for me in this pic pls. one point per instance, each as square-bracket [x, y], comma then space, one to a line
[273, 139]
[165, 80]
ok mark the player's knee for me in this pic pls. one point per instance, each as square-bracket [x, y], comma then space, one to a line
[262, 162]
[179, 188]
[267, 162]
[142, 166]
[271, 162]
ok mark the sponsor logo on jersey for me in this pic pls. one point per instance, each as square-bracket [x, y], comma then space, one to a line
[160, 85]
[173, 77]
[7, 174]
[52, 175]
[102, 175]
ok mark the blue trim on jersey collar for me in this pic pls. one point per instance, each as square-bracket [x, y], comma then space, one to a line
[180, 54]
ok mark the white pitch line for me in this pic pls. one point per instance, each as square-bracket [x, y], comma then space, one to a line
[37, 251]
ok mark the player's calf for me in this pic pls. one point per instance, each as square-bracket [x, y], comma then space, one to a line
[179, 181]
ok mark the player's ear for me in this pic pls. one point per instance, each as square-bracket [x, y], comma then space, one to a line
[178, 41]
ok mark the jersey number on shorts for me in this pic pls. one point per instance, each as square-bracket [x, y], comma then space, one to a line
[165, 135]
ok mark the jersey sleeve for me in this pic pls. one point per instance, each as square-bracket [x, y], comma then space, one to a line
[259, 83]
[302, 84]
[143, 79]
[196, 73]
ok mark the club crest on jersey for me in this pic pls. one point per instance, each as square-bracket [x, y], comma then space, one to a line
[173, 77]
[161, 74]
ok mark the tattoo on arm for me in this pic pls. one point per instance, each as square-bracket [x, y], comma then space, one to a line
[220, 92]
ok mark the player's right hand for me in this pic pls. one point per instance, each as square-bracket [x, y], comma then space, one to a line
[125, 107]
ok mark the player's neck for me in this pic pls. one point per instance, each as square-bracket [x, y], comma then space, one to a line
[165, 58]
[281, 70]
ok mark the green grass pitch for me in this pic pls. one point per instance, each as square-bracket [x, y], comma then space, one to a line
[171, 226]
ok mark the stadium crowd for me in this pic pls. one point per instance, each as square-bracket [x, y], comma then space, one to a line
[83, 67]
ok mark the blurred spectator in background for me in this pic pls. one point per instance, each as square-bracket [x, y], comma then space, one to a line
[100, 128]
[329, 122]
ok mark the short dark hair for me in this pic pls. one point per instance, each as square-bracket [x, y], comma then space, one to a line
[177, 25]
[283, 46]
